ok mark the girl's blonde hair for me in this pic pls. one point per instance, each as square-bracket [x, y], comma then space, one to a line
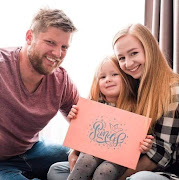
[127, 98]
[154, 92]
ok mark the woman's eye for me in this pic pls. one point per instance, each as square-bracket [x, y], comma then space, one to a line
[133, 53]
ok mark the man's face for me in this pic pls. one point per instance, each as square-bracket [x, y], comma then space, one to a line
[47, 50]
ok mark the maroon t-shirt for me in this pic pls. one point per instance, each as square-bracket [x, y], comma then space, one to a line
[24, 114]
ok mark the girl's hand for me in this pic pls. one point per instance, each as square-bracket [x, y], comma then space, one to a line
[73, 113]
[146, 144]
[72, 158]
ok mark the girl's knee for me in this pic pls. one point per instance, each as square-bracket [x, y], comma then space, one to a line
[87, 161]
[58, 169]
[108, 170]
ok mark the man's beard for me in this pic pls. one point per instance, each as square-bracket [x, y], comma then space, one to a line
[37, 62]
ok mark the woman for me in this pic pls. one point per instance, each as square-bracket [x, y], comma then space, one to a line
[139, 56]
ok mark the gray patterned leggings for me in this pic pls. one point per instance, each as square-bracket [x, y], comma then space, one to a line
[89, 166]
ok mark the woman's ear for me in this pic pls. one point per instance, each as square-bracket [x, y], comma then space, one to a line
[29, 37]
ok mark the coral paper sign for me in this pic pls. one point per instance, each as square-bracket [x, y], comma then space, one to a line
[107, 132]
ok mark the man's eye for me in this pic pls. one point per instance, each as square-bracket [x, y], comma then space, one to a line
[64, 47]
[50, 42]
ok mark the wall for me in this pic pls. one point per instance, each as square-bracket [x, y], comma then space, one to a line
[97, 22]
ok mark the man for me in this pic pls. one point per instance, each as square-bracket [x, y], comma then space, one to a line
[33, 87]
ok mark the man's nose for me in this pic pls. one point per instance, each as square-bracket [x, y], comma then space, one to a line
[57, 52]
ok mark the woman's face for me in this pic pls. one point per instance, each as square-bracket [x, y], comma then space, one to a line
[131, 55]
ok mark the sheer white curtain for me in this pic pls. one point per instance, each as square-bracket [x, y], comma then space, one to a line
[97, 22]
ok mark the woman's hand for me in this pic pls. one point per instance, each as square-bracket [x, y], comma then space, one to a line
[146, 144]
[73, 113]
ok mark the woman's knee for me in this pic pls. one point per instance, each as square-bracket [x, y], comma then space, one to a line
[146, 175]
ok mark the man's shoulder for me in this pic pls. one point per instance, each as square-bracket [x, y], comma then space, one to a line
[9, 49]
[8, 52]
[60, 72]
[60, 75]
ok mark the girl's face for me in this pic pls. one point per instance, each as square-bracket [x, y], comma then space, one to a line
[110, 82]
[131, 55]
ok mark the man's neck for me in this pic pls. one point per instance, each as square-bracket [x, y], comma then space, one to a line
[29, 76]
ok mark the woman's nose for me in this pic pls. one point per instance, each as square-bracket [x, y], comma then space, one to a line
[129, 63]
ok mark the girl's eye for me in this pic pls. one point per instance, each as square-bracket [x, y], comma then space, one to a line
[115, 74]
[134, 53]
[102, 77]
[121, 58]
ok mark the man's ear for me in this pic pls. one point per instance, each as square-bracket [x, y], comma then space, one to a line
[29, 36]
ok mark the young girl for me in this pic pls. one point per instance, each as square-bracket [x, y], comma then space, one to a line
[113, 87]
[139, 56]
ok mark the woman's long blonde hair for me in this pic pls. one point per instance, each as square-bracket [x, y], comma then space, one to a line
[154, 91]
[127, 98]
